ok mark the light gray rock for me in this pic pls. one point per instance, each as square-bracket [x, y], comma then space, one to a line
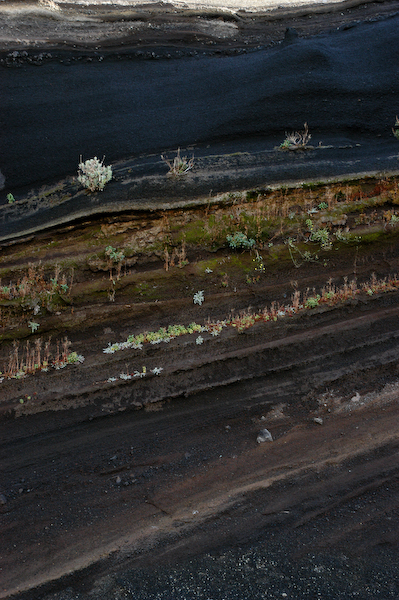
[264, 436]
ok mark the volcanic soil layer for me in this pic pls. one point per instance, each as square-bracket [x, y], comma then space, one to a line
[199, 374]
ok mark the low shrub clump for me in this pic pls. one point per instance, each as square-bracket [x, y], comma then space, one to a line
[179, 166]
[94, 175]
[240, 240]
[39, 356]
[297, 140]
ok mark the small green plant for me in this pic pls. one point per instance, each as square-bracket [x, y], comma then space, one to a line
[74, 358]
[179, 166]
[297, 140]
[94, 175]
[346, 237]
[198, 297]
[313, 301]
[10, 199]
[323, 205]
[225, 281]
[322, 235]
[33, 326]
[34, 290]
[259, 264]
[309, 257]
[157, 370]
[113, 254]
[240, 240]
[295, 252]
[395, 129]
[115, 257]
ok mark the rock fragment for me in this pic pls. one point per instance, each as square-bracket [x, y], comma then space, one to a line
[264, 436]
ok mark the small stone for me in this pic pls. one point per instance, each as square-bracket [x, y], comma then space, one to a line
[118, 480]
[356, 397]
[3, 499]
[264, 436]
[318, 420]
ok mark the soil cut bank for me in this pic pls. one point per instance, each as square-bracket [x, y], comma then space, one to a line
[146, 453]
[150, 333]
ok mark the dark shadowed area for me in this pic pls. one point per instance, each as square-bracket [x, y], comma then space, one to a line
[141, 100]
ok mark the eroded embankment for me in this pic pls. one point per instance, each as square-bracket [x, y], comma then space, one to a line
[199, 328]
[217, 289]
[141, 489]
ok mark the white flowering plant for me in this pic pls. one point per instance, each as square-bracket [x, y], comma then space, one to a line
[198, 297]
[93, 174]
[157, 370]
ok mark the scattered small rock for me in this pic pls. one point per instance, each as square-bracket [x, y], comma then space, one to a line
[118, 480]
[264, 436]
[3, 499]
[356, 397]
[318, 420]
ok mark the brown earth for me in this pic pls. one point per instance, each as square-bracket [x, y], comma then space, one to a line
[156, 486]
[106, 478]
